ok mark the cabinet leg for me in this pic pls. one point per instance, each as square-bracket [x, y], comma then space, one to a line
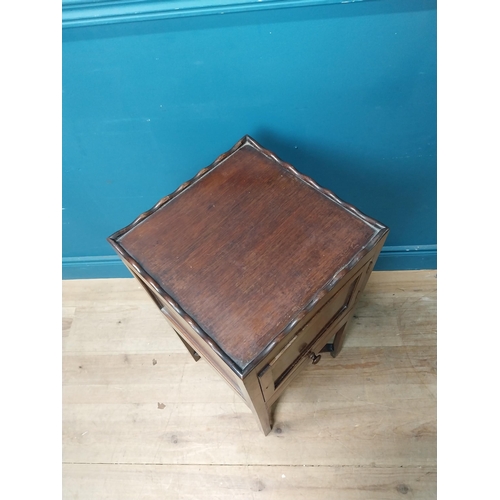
[264, 419]
[328, 348]
[338, 341]
[255, 401]
[193, 353]
[336, 345]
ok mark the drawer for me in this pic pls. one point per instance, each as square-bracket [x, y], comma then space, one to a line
[272, 387]
[299, 346]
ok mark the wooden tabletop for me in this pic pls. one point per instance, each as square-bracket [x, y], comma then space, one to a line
[246, 247]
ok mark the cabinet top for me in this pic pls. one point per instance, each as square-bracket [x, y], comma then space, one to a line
[245, 249]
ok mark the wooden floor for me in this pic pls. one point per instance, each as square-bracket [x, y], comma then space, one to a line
[142, 420]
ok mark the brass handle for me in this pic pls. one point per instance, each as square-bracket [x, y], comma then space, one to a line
[315, 358]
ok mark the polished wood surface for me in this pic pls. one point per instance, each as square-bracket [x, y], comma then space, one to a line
[247, 248]
[141, 419]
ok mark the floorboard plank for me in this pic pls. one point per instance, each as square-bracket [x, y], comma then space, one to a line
[115, 482]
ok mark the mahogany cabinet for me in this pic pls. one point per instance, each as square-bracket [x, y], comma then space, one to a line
[256, 267]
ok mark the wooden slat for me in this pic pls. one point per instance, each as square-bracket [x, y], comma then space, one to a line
[247, 482]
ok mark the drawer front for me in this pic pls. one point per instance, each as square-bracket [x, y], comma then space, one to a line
[297, 349]
[332, 310]
[272, 388]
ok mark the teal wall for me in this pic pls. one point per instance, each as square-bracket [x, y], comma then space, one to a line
[153, 92]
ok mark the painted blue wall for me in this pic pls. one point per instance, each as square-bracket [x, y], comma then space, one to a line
[346, 92]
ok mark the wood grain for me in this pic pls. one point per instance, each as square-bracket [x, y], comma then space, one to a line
[246, 249]
[142, 419]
